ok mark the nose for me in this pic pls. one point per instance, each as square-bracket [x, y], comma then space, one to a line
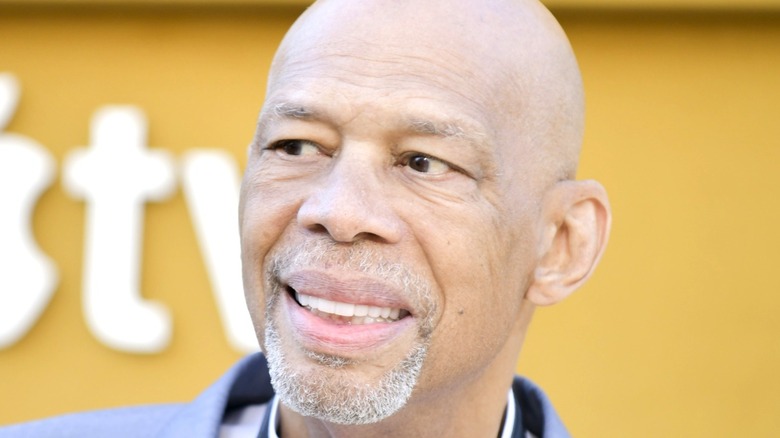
[350, 203]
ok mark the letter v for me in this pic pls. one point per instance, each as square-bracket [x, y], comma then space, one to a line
[210, 181]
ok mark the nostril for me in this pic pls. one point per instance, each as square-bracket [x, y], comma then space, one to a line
[318, 228]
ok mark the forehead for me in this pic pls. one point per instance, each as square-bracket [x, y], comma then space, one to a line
[396, 86]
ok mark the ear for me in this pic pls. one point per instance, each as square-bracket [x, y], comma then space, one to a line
[575, 223]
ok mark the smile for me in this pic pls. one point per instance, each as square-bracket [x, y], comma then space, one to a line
[348, 313]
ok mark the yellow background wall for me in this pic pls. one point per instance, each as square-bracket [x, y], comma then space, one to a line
[676, 334]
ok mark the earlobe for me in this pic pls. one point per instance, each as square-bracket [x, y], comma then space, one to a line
[576, 220]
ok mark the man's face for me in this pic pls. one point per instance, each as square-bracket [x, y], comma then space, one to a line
[382, 181]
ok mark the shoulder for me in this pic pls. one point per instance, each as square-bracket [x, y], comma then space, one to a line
[245, 384]
[138, 421]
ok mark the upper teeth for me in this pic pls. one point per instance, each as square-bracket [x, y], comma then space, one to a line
[347, 309]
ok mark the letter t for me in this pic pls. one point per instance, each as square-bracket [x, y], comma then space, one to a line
[115, 176]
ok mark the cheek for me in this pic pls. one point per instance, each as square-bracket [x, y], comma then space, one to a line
[476, 258]
[265, 214]
[482, 270]
[482, 290]
[267, 208]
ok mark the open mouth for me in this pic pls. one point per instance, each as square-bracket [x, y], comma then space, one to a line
[347, 313]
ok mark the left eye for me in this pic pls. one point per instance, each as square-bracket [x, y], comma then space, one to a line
[296, 147]
[425, 164]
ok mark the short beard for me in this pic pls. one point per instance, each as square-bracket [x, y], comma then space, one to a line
[330, 393]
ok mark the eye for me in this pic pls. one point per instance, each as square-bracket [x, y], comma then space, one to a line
[424, 164]
[295, 147]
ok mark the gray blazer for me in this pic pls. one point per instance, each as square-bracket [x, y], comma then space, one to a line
[244, 384]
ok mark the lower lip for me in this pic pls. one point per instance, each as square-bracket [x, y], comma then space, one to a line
[331, 337]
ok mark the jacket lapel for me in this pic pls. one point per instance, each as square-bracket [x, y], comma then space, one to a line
[246, 383]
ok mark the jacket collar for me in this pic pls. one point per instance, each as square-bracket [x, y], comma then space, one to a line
[244, 384]
[248, 383]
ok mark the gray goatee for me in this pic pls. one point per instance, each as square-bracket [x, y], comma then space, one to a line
[329, 390]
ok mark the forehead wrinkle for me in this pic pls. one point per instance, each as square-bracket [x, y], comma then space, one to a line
[391, 66]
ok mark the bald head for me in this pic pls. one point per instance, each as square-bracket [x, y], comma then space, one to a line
[435, 138]
[508, 56]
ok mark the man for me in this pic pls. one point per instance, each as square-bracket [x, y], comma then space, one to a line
[407, 203]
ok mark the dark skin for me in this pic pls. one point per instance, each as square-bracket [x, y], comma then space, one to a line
[447, 153]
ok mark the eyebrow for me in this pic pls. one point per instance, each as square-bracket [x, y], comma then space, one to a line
[450, 130]
[429, 127]
[288, 110]
[285, 110]
[446, 129]
[282, 110]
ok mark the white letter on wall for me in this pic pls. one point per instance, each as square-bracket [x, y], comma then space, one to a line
[27, 276]
[211, 184]
[115, 176]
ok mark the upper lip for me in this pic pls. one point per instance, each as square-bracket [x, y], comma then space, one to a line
[354, 289]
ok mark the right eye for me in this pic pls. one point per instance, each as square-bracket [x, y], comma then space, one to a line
[295, 147]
